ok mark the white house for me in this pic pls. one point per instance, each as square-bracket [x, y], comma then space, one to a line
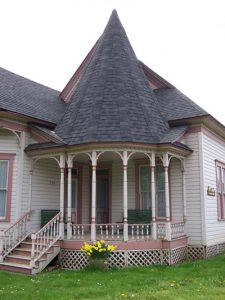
[119, 154]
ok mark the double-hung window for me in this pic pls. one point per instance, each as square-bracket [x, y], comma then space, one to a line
[145, 189]
[220, 173]
[4, 171]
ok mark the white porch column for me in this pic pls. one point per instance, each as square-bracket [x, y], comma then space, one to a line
[62, 168]
[125, 201]
[167, 198]
[184, 195]
[152, 166]
[69, 196]
[94, 159]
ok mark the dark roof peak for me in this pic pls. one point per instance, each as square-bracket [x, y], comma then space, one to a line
[113, 100]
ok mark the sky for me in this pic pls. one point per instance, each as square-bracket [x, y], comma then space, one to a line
[181, 40]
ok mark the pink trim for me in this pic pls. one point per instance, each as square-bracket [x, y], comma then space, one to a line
[10, 158]
[38, 137]
[174, 243]
[131, 245]
[220, 197]
[13, 126]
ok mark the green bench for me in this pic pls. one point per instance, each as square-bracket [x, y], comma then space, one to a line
[47, 215]
[139, 216]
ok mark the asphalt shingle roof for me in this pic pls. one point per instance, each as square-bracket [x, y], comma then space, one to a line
[175, 105]
[23, 96]
[113, 100]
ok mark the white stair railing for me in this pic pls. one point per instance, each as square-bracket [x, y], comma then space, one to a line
[44, 239]
[14, 235]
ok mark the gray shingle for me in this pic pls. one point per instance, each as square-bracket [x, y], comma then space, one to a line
[175, 105]
[113, 100]
[23, 96]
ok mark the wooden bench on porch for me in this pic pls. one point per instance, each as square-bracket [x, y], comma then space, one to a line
[139, 216]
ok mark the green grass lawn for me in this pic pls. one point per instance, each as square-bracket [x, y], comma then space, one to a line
[202, 279]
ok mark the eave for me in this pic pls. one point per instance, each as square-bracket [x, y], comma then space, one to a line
[206, 120]
[109, 146]
[23, 118]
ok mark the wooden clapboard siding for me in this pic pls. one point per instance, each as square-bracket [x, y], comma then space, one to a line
[45, 188]
[177, 206]
[26, 177]
[193, 190]
[213, 149]
[9, 144]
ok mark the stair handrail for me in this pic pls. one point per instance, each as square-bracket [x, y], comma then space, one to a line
[14, 235]
[44, 239]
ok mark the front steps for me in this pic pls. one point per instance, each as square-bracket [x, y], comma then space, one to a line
[19, 259]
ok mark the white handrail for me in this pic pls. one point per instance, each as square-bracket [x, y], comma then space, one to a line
[14, 235]
[44, 239]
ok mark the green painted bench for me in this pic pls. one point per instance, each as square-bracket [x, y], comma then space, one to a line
[47, 215]
[139, 216]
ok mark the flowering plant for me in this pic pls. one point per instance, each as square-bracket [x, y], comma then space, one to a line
[98, 249]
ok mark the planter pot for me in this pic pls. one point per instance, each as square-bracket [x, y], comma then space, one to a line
[98, 264]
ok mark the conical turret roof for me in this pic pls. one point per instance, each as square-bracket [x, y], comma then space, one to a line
[113, 101]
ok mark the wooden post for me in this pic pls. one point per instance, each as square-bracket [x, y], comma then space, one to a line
[125, 201]
[2, 236]
[62, 169]
[33, 238]
[184, 195]
[93, 200]
[167, 198]
[69, 196]
[152, 166]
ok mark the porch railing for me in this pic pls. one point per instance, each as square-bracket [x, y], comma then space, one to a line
[139, 231]
[161, 230]
[81, 231]
[177, 230]
[14, 235]
[44, 239]
[112, 231]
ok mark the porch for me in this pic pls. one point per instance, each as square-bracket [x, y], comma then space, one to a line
[97, 193]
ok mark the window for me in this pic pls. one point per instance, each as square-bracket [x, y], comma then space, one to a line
[220, 173]
[4, 166]
[145, 189]
[160, 192]
[6, 171]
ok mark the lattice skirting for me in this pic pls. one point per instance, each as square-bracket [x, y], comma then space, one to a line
[197, 252]
[76, 260]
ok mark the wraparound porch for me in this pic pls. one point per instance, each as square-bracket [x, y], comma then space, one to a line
[151, 181]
